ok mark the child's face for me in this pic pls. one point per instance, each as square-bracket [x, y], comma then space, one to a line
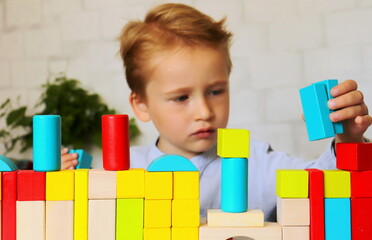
[187, 98]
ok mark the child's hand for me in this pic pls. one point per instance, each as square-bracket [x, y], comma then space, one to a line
[353, 111]
[68, 161]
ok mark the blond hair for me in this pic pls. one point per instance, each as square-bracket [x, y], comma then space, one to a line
[165, 26]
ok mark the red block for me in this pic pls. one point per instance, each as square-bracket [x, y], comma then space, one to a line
[115, 142]
[361, 218]
[30, 186]
[316, 196]
[354, 156]
[8, 207]
[361, 184]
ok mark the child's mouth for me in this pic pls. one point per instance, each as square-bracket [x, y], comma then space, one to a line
[204, 133]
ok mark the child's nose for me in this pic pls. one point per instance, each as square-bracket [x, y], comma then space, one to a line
[204, 110]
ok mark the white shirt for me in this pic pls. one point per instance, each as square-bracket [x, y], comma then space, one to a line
[262, 165]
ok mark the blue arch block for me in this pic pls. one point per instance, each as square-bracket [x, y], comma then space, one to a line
[6, 165]
[171, 163]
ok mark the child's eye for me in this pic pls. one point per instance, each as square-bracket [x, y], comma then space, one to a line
[216, 92]
[181, 98]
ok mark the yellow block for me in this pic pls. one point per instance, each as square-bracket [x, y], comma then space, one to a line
[250, 218]
[60, 185]
[336, 184]
[185, 213]
[157, 214]
[186, 185]
[156, 234]
[81, 204]
[292, 183]
[187, 233]
[233, 143]
[130, 183]
[158, 185]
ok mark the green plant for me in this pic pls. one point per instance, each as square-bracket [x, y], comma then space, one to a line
[80, 110]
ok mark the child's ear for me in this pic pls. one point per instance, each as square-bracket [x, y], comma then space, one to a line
[139, 107]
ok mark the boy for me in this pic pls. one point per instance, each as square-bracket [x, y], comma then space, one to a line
[177, 65]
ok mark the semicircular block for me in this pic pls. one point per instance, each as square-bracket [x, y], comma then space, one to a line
[6, 165]
[171, 163]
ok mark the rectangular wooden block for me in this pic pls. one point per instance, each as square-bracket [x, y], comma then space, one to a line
[250, 218]
[59, 220]
[316, 197]
[60, 185]
[296, 233]
[102, 184]
[354, 156]
[30, 185]
[293, 211]
[186, 185]
[9, 206]
[129, 219]
[185, 233]
[157, 213]
[156, 234]
[361, 218]
[30, 220]
[102, 217]
[233, 143]
[158, 185]
[81, 204]
[270, 231]
[337, 219]
[336, 184]
[359, 188]
[185, 213]
[130, 183]
[292, 183]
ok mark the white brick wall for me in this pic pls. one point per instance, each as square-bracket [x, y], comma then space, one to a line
[279, 46]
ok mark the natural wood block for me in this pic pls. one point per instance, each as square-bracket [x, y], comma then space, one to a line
[336, 184]
[158, 185]
[130, 183]
[270, 231]
[250, 218]
[296, 233]
[60, 185]
[156, 234]
[185, 213]
[186, 185]
[59, 220]
[292, 183]
[233, 143]
[102, 184]
[185, 233]
[157, 213]
[81, 204]
[293, 211]
[30, 220]
[102, 217]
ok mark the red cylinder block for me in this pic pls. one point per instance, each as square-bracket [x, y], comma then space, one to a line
[115, 142]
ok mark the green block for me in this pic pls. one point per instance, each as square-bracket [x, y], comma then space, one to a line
[292, 183]
[337, 184]
[129, 219]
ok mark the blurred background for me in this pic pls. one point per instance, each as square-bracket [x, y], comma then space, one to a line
[279, 47]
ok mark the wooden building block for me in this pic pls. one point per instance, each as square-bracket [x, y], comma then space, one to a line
[359, 188]
[129, 219]
[233, 143]
[130, 183]
[157, 213]
[361, 218]
[337, 219]
[296, 233]
[354, 156]
[185, 233]
[7, 165]
[171, 163]
[59, 220]
[84, 159]
[336, 184]
[316, 197]
[270, 231]
[102, 184]
[156, 234]
[186, 185]
[81, 204]
[185, 213]
[60, 185]
[30, 185]
[158, 185]
[30, 220]
[292, 183]
[9, 206]
[293, 211]
[102, 217]
[250, 218]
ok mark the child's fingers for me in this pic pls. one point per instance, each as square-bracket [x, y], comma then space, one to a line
[349, 113]
[344, 87]
[363, 121]
[64, 151]
[346, 100]
[69, 164]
